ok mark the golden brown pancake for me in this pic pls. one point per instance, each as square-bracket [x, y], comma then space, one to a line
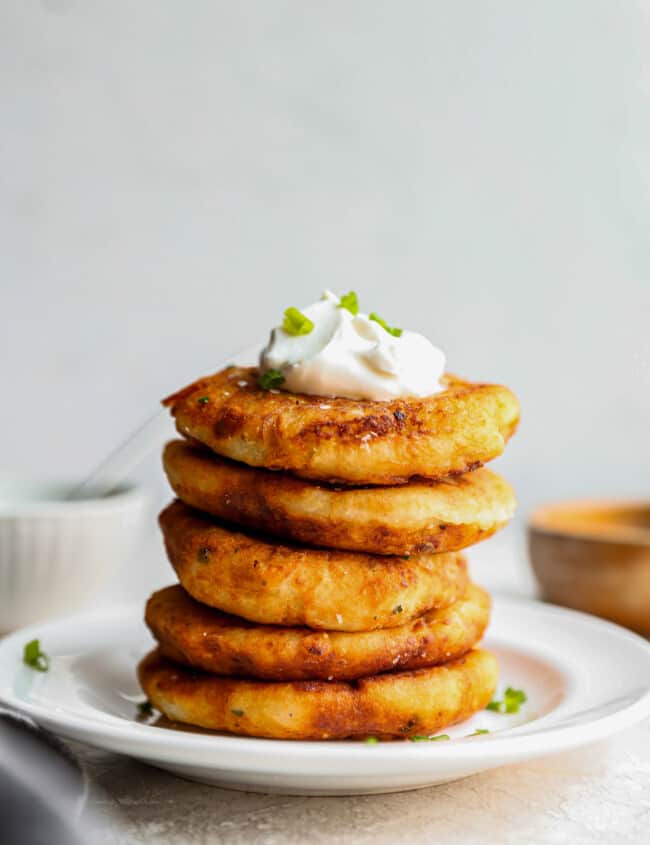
[275, 583]
[403, 704]
[422, 516]
[346, 440]
[199, 636]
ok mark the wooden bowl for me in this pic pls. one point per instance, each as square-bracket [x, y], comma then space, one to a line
[595, 556]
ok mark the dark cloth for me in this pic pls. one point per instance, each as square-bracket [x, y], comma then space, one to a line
[42, 787]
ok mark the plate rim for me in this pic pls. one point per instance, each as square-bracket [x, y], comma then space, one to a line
[247, 753]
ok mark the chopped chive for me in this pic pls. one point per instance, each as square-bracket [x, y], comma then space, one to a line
[479, 731]
[237, 712]
[203, 400]
[391, 330]
[420, 738]
[270, 379]
[512, 701]
[35, 658]
[350, 302]
[296, 323]
[145, 708]
[371, 740]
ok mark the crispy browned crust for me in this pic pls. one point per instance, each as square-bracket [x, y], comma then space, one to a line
[419, 517]
[274, 583]
[403, 704]
[344, 440]
[199, 636]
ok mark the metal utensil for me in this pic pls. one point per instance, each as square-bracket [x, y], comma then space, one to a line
[138, 446]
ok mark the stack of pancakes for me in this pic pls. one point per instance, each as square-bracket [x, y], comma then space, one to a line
[323, 593]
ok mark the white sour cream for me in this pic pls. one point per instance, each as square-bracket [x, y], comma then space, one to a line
[353, 356]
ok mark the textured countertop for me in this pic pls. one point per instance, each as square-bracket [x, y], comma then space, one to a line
[599, 794]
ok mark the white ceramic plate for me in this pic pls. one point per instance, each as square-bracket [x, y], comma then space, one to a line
[584, 678]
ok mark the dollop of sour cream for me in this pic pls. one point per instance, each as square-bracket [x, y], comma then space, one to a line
[351, 355]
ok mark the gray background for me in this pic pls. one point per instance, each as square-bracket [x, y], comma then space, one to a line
[175, 174]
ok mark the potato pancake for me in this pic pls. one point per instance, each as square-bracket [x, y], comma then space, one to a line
[402, 704]
[275, 583]
[342, 440]
[419, 517]
[199, 636]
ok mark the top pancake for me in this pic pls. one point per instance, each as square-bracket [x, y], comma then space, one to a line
[347, 441]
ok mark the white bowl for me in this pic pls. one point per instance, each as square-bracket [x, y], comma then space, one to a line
[55, 553]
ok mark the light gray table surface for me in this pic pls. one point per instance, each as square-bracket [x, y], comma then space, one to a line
[598, 794]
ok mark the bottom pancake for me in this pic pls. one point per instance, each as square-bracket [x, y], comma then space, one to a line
[403, 704]
[199, 636]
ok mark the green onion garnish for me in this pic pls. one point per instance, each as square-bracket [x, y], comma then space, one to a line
[271, 379]
[35, 658]
[512, 701]
[350, 302]
[419, 738]
[377, 319]
[145, 708]
[296, 323]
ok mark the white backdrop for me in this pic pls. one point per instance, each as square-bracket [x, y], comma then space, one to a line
[175, 174]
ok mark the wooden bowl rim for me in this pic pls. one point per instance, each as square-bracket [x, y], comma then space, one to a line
[544, 520]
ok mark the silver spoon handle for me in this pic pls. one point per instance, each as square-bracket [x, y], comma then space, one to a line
[125, 458]
[139, 445]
